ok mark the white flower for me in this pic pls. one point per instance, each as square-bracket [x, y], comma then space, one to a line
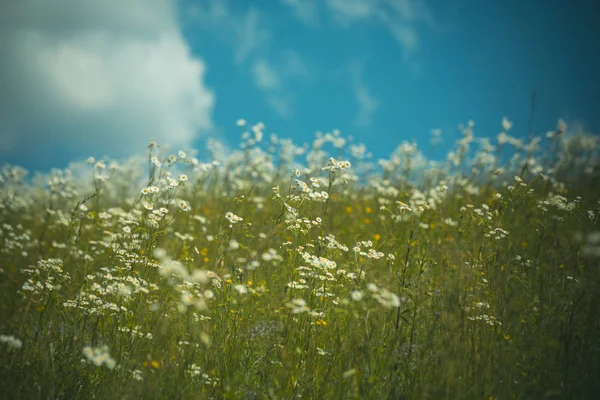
[502, 138]
[231, 217]
[241, 289]
[200, 276]
[372, 287]
[137, 375]
[387, 298]
[506, 124]
[561, 127]
[298, 306]
[357, 295]
[12, 341]
[99, 356]
[184, 206]
[241, 122]
[124, 290]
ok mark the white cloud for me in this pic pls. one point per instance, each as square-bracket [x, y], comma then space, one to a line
[347, 11]
[98, 77]
[247, 35]
[399, 17]
[242, 31]
[406, 36]
[250, 36]
[265, 76]
[281, 105]
[213, 12]
[292, 65]
[271, 78]
[367, 103]
[305, 10]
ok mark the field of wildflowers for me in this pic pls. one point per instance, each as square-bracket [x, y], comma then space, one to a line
[279, 271]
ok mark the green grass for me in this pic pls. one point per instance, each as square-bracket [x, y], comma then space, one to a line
[467, 284]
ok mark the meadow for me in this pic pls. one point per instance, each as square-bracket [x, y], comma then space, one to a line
[285, 271]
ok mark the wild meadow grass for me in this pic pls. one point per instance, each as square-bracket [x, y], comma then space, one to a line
[277, 272]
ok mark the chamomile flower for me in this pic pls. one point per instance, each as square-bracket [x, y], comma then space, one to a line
[506, 124]
[99, 356]
[231, 217]
[184, 206]
[357, 295]
[12, 341]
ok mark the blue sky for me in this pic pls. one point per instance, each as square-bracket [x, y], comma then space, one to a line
[104, 78]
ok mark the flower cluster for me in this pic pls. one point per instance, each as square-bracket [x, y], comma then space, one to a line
[232, 218]
[12, 341]
[99, 356]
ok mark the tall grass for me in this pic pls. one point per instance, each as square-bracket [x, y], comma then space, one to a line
[279, 272]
